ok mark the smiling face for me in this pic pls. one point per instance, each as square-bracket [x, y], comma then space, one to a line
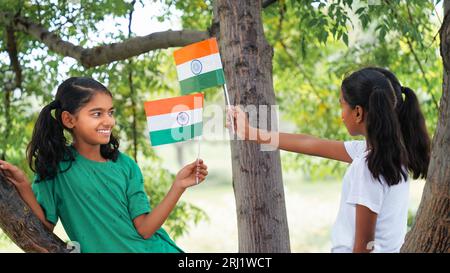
[353, 118]
[93, 123]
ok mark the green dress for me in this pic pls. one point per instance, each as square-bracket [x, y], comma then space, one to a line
[97, 202]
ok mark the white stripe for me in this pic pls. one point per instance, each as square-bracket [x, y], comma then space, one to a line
[209, 63]
[168, 121]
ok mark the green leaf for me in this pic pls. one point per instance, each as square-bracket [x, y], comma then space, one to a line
[360, 10]
[345, 38]
[313, 22]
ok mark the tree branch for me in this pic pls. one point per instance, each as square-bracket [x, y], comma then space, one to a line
[11, 48]
[99, 55]
[22, 226]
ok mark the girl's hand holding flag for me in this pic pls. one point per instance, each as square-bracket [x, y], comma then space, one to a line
[190, 174]
[241, 124]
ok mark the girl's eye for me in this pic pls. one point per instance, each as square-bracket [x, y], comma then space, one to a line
[96, 114]
[111, 113]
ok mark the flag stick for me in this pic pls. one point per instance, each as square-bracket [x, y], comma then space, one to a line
[199, 139]
[227, 98]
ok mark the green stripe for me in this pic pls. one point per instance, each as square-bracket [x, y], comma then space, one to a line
[202, 81]
[173, 135]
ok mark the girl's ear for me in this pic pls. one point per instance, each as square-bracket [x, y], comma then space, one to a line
[359, 114]
[68, 120]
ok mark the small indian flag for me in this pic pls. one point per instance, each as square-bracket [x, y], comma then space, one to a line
[174, 119]
[199, 66]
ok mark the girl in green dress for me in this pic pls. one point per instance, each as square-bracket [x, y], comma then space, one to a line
[95, 190]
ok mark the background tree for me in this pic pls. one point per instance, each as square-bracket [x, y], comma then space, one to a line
[257, 178]
[431, 230]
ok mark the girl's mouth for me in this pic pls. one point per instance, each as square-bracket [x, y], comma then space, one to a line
[104, 132]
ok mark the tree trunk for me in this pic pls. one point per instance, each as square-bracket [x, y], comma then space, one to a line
[431, 231]
[22, 226]
[257, 178]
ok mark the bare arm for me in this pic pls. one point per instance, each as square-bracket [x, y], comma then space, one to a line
[364, 229]
[305, 144]
[148, 224]
[299, 143]
[18, 178]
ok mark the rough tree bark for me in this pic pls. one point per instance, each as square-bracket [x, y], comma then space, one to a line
[22, 226]
[431, 230]
[257, 178]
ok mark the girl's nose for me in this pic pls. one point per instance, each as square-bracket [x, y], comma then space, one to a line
[109, 121]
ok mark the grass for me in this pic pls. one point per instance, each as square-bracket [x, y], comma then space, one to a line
[311, 209]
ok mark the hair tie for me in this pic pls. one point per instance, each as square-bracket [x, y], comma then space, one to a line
[404, 91]
[55, 104]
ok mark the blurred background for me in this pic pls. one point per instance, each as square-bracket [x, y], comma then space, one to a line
[316, 43]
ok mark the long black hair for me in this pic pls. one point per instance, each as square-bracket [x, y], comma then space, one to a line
[49, 146]
[414, 130]
[396, 131]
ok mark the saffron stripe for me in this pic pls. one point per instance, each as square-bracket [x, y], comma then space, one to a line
[195, 51]
[177, 104]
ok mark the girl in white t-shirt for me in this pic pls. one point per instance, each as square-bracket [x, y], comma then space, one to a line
[374, 202]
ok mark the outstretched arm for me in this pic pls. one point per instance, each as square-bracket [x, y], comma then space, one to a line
[18, 178]
[299, 143]
[148, 224]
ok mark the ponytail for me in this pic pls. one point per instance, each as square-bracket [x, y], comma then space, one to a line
[387, 152]
[412, 123]
[48, 145]
[415, 134]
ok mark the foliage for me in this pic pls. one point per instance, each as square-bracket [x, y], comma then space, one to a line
[195, 14]
[411, 219]
[343, 36]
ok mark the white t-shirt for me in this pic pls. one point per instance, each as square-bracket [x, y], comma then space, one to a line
[389, 203]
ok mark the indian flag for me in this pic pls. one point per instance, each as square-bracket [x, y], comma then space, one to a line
[199, 66]
[174, 119]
